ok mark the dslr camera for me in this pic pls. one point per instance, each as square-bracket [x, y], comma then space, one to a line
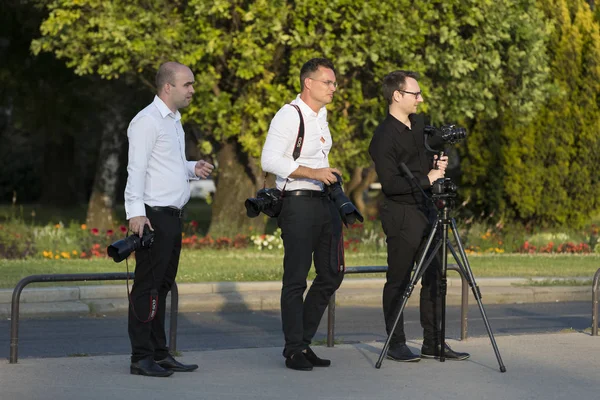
[347, 210]
[444, 186]
[267, 201]
[121, 249]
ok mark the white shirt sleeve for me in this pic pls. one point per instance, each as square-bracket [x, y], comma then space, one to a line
[142, 135]
[191, 170]
[276, 156]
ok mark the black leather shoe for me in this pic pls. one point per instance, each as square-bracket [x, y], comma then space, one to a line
[148, 367]
[402, 353]
[298, 362]
[314, 360]
[171, 364]
[432, 351]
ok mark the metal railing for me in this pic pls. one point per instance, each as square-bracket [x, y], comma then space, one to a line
[595, 288]
[464, 308]
[111, 276]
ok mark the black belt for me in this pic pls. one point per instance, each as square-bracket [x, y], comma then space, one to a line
[173, 211]
[304, 193]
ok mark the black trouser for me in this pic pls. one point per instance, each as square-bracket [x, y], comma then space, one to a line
[306, 230]
[155, 268]
[407, 228]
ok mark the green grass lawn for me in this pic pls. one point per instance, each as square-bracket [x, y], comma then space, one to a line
[252, 265]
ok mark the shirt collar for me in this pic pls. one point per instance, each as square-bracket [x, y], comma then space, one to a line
[401, 125]
[306, 109]
[164, 110]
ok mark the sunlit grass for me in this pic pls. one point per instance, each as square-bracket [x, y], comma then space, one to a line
[252, 265]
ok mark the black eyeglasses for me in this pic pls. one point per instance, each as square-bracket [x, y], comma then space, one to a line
[416, 94]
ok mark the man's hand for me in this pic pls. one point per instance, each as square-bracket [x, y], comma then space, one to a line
[326, 175]
[203, 169]
[441, 163]
[434, 175]
[136, 225]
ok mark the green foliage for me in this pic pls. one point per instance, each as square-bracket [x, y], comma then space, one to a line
[247, 56]
[522, 76]
[550, 174]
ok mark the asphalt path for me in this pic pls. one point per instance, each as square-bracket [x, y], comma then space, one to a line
[202, 331]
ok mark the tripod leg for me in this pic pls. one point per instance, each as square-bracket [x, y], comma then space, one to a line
[444, 285]
[476, 292]
[421, 266]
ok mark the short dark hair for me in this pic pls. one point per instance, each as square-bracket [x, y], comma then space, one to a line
[166, 74]
[396, 81]
[311, 66]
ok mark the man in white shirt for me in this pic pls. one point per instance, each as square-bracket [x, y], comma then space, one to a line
[157, 189]
[307, 215]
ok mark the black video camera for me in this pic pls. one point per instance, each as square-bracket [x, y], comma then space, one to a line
[121, 249]
[267, 201]
[347, 210]
[436, 138]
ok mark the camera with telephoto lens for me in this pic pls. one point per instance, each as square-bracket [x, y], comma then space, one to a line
[347, 210]
[267, 201]
[121, 249]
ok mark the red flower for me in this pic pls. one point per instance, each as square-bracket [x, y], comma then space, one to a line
[95, 231]
[194, 224]
[123, 228]
[109, 232]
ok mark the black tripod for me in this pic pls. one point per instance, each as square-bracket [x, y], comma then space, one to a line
[443, 202]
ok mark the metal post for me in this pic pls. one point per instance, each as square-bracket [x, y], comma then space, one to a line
[331, 321]
[464, 308]
[173, 319]
[111, 276]
[464, 300]
[595, 285]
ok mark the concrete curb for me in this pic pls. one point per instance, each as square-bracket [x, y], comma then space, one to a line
[242, 296]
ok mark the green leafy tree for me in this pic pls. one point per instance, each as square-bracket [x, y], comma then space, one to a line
[480, 60]
[551, 176]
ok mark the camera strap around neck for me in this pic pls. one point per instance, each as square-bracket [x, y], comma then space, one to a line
[297, 144]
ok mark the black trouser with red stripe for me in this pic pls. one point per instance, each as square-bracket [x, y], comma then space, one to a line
[306, 226]
[407, 228]
[155, 268]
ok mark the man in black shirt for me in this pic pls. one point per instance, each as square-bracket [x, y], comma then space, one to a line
[406, 216]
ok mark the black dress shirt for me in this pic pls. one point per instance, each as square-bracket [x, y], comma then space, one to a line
[394, 143]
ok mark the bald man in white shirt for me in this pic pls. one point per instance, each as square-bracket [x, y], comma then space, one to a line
[308, 217]
[157, 190]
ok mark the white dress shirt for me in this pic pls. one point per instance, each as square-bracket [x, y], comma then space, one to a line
[158, 173]
[277, 156]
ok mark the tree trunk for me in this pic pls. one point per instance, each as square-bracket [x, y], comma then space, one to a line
[237, 179]
[101, 207]
[357, 194]
[355, 180]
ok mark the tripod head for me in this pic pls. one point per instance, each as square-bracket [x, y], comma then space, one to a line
[443, 190]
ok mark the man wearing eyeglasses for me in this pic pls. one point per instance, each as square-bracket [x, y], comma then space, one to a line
[406, 216]
[308, 219]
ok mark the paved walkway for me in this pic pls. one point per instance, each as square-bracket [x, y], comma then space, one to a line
[548, 367]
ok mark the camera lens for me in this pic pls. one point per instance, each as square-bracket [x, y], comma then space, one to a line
[121, 249]
[253, 207]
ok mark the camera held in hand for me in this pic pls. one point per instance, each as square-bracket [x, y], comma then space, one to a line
[267, 201]
[347, 210]
[121, 249]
